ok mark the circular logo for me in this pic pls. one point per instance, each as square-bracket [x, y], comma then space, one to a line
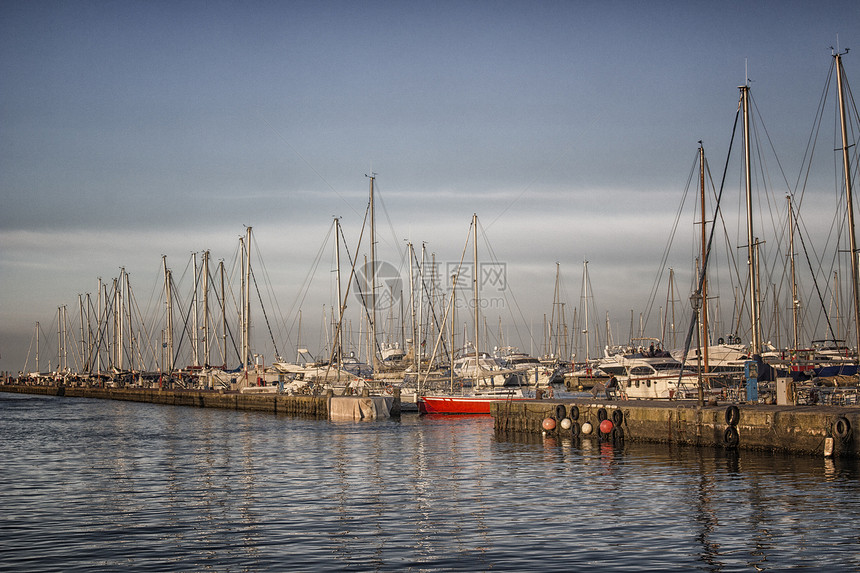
[389, 286]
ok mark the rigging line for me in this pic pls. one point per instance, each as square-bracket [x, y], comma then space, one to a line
[528, 186]
[218, 300]
[663, 260]
[306, 282]
[815, 282]
[270, 291]
[380, 200]
[812, 140]
[148, 334]
[695, 318]
[265, 316]
[342, 303]
[495, 259]
[432, 307]
[306, 162]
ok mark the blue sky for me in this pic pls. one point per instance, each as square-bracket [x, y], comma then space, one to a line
[132, 130]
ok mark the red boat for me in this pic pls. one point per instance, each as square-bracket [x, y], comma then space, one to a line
[478, 403]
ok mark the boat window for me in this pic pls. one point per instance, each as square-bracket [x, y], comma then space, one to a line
[641, 371]
[666, 366]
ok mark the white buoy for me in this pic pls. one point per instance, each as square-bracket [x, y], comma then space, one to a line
[586, 428]
[565, 423]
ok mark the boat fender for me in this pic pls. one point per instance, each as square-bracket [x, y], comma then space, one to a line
[731, 437]
[617, 434]
[617, 417]
[601, 414]
[560, 412]
[733, 415]
[842, 428]
[573, 412]
[566, 423]
[586, 428]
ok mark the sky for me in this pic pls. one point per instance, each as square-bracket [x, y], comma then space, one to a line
[136, 130]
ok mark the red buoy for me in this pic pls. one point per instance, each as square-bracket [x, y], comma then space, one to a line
[548, 424]
[606, 426]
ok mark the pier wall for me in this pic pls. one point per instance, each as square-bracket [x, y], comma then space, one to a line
[311, 406]
[815, 430]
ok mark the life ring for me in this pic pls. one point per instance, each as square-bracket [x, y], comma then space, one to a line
[550, 393]
[617, 417]
[731, 437]
[842, 428]
[389, 389]
[733, 415]
[573, 412]
[560, 412]
[601, 414]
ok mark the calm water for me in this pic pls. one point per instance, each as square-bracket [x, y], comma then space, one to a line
[107, 485]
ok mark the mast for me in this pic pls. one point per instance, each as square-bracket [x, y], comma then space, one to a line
[246, 315]
[195, 346]
[794, 302]
[585, 310]
[205, 287]
[416, 358]
[846, 164]
[372, 177]
[37, 347]
[223, 317]
[752, 261]
[341, 306]
[704, 337]
[168, 295]
[475, 294]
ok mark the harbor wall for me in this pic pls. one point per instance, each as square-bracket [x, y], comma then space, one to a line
[814, 430]
[311, 406]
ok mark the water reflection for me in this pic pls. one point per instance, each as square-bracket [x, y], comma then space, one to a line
[100, 484]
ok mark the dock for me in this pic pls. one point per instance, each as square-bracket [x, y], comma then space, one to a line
[323, 406]
[809, 430]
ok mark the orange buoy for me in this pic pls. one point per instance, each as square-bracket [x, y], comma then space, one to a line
[548, 424]
[606, 426]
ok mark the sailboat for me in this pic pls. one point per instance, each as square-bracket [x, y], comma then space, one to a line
[485, 380]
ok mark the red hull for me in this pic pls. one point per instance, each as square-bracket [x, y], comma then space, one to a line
[458, 404]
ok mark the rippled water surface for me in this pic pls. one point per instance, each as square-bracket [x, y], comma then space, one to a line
[109, 485]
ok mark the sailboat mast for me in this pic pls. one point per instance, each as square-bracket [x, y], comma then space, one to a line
[475, 294]
[373, 275]
[246, 305]
[585, 309]
[794, 302]
[168, 300]
[207, 357]
[704, 338]
[195, 343]
[340, 301]
[847, 169]
[752, 261]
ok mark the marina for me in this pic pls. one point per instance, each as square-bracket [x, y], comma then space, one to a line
[552, 286]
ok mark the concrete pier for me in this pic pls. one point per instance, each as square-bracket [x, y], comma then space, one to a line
[311, 406]
[815, 430]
